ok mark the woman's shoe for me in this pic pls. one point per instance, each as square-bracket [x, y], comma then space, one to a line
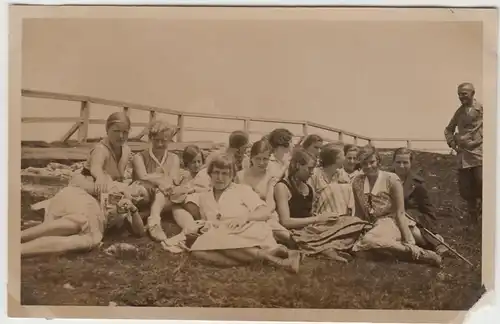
[430, 257]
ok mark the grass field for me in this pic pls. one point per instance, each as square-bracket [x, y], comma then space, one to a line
[154, 277]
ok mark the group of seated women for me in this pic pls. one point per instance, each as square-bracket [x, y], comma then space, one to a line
[265, 202]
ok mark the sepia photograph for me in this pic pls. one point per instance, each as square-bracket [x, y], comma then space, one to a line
[251, 163]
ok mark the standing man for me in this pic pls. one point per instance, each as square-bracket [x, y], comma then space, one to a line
[468, 143]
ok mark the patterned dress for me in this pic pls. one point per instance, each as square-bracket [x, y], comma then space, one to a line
[338, 234]
[169, 166]
[377, 207]
[331, 196]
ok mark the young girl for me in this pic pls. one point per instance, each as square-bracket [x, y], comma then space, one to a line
[75, 220]
[192, 161]
[379, 199]
[351, 167]
[321, 233]
[157, 169]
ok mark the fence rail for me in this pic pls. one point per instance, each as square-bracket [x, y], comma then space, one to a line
[81, 124]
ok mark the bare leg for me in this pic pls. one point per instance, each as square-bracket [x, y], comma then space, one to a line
[403, 253]
[332, 254]
[419, 238]
[184, 219]
[58, 227]
[292, 263]
[215, 257]
[235, 257]
[154, 219]
[57, 244]
[240, 255]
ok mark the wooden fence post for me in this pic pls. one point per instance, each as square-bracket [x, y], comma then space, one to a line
[152, 116]
[408, 144]
[355, 140]
[126, 110]
[246, 126]
[341, 136]
[304, 129]
[83, 130]
[180, 128]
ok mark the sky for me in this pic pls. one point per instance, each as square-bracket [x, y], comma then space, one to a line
[378, 79]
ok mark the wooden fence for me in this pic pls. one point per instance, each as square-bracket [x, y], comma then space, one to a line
[81, 124]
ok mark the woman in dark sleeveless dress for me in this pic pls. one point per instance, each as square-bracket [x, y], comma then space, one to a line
[314, 234]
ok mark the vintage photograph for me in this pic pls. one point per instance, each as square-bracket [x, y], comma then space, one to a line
[270, 158]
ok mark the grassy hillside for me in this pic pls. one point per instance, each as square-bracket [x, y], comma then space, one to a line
[153, 277]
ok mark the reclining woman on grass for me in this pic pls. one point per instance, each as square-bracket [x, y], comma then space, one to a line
[76, 221]
[260, 179]
[417, 202]
[379, 199]
[314, 233]
[157, 170]
[233, 227]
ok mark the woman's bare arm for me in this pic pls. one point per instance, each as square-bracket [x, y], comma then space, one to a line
[97, 159]
[271, 203]
[281, 197]
[401, 221]
[137, 224]
[262, 213]
[156, 179]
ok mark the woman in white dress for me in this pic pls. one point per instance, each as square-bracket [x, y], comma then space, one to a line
[234, 226]
[262, 181]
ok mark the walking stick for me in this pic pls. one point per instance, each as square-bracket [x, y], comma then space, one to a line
[436, 238]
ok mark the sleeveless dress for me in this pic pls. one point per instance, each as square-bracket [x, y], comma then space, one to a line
[377, 207]
[153, 165]
[77, 204]
[339, 234]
